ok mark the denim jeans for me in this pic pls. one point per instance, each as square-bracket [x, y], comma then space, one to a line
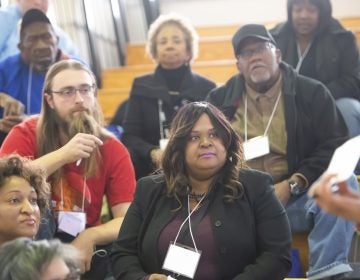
[329, 236]
[350, 110]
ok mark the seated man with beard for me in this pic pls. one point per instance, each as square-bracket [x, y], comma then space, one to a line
[83, 161]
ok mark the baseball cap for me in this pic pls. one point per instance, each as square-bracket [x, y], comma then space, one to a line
[31, 16]
[250, 30]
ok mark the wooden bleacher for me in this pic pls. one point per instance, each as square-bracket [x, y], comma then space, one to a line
[220, 46]
[218, 71]
[215, 61]
[110, 98]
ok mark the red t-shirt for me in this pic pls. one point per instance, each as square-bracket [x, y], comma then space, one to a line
[116, 178]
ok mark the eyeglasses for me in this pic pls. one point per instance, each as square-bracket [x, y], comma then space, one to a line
[70, 92]
[261, 49]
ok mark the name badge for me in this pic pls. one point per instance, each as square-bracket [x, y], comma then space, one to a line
[256, 147]
[163, 143]
[182, 260]
[71, 222]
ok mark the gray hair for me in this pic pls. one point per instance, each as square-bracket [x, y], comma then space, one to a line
[191, 36]
[24, 258]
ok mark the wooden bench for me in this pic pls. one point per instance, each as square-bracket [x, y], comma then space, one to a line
[215, 42]
[300, 242]
[110, 99]
[217, 71]
[350, 22]
[230, 29]
[210, 48]
[223, 30]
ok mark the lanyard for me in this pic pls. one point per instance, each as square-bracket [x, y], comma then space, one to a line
[188, 218]
[270, 119]
[301, 57]
[28, 92]
[162, 118]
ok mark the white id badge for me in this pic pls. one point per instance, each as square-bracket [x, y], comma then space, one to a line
[71, 222]
[256, 147]
[181, 260]
[163, 143]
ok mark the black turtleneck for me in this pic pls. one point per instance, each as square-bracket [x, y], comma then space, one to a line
[174, 77]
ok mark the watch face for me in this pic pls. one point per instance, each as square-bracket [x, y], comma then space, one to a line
[294, 187]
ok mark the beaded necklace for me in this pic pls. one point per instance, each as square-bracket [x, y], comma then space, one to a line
[197, 197]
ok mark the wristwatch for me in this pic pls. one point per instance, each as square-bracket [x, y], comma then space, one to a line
[295, 187]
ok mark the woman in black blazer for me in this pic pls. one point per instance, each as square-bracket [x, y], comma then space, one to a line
[237, 222]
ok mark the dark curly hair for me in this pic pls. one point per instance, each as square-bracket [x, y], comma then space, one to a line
[14, 165]
[173, 161]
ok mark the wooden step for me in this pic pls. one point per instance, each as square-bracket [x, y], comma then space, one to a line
[300, 242]
[215, 42]
[217, 71]
[230, 29]
[210, 48]
[110, 99]
[223, 30]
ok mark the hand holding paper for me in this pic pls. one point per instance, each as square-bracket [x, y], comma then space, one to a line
[344, 160]
[333, 191]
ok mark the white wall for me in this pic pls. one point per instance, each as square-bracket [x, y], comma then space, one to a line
[136, 21]
[223, 12]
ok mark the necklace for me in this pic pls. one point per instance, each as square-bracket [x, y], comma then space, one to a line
[197, 197]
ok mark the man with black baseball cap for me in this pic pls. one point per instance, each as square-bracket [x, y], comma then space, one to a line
[22, 75]
[250, 31]
[290, 127]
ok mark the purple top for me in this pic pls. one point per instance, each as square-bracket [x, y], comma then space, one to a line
[204, 239]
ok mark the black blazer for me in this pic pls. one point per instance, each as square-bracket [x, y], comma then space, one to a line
[252, 235]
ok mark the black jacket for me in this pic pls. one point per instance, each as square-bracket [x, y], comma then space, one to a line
[141, 123]
[252, 235]
[337, 62]
[314, 125]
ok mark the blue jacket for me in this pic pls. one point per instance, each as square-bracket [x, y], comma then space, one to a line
[18, 81]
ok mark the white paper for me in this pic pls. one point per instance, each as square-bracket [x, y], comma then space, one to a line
[71, 222]
[181, 261]
[344, 159]
[163, 143]
[256, 147]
